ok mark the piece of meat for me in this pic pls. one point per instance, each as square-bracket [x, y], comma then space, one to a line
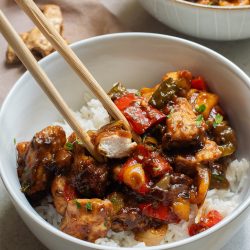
[210, 152]
[188, 164]
[129, 218]
[183, 128]
[63, 160]
[88, 177]
[178, 178]
[61, 192]
[113, 141]
[39, 160]
[87, 219]
[35, 40]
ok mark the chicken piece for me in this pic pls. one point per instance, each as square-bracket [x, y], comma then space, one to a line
[152, 236]
[210, 152]
[39, 160]
[188, 164]
[63, 159]
[88, 177]
[62, 192]
[183, 126]
[35, 40]
[129, 218]
[113, 141]
[87, 219]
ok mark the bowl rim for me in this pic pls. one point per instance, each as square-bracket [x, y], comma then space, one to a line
[212, 7]
[53, 230]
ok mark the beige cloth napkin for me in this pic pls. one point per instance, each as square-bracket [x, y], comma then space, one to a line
[82, 19]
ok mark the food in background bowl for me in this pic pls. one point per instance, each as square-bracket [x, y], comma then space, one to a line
[221, 2]
[206, 21]
[179, 181]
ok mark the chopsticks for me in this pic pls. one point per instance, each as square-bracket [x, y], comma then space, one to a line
[35, 14]
[40, 76]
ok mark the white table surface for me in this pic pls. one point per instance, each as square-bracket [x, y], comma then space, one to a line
[14, 235]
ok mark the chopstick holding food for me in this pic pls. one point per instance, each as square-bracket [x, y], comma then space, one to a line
[31, 9]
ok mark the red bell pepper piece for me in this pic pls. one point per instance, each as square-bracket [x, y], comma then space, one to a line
[69, 192]
[198, 83]
[159, 212]
[155, 164]
[141, 154]
[158, 165]
[211, 219]
[138, 112]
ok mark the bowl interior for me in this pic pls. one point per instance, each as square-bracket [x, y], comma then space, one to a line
[136, 60]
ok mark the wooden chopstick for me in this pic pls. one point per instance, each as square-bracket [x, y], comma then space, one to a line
[47, 29]
[40, 76]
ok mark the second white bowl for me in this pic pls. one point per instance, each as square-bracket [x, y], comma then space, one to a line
[202, 21]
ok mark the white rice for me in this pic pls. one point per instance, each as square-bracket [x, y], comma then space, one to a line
[92, 117]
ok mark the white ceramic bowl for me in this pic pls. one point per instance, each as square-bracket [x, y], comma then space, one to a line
[137, 60]
[202, 21]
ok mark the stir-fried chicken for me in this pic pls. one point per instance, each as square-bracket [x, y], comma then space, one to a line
[182, 126]
[184, 151]
[113, 141]
[39, 160]
[209, 153]
[87, 219]
[88, 177]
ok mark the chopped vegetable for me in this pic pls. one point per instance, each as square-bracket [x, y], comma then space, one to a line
[225, 138]
[164, 182]
[199, 120]
[139, 113]
[88, 206]
[117, 91]
[133, 175]
[211, 219]
[78, 204]
[69, 192]
[202, 102]
[203, 185]
[159, 211]
[198, 83]
[165, 93]
[154, 163]
[181, 208]
[201, 108]
[218, 120]
[69, 146]
[148, 92]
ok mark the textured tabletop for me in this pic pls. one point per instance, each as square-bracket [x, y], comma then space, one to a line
[14, 235]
